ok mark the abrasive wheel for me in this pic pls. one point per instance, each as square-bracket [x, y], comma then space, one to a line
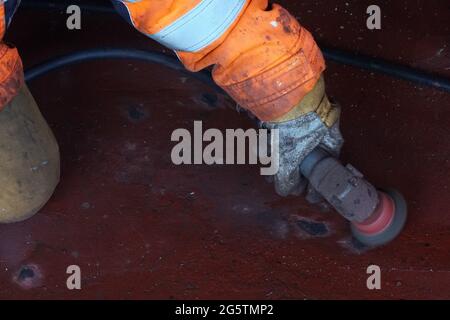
[386, 223]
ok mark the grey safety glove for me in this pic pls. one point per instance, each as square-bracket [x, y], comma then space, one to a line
[301, 135]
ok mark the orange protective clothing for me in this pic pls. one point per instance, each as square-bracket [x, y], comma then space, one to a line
[11, 69]
[261, 55]
[264, 59]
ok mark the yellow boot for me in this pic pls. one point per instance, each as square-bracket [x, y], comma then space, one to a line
[29, 159]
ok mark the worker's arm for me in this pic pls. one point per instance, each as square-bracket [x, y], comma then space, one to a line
[262, 57]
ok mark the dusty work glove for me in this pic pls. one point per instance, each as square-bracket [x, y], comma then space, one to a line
[315, 122]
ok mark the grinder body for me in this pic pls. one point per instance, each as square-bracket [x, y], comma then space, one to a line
[377, 217]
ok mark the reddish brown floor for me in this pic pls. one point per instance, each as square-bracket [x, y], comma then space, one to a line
[140, 227]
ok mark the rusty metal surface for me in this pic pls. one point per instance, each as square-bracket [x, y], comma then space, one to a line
[140, 227]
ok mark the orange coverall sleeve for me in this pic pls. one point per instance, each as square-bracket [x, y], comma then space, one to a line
[11, 69]
[264, 58]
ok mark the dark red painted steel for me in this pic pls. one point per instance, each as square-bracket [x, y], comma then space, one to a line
[140, 227]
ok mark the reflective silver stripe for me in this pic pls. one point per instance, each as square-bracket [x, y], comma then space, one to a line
[201, 26]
